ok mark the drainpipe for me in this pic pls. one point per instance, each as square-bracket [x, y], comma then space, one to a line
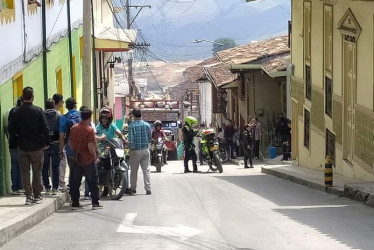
[70, 50]
[45, 72]
[94, 59]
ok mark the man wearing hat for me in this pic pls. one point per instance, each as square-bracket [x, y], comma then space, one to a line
[71, 118]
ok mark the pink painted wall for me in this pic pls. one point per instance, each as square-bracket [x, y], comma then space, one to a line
[118, 106]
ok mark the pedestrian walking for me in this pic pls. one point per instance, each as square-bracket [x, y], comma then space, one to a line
[228, 133]
[139, 141]
[83, 161]
[59, 103]
[71, 118]
[53, 152]
[28, 126]
[15, 171]
[255, 128]
[189, 148]
[247, 144]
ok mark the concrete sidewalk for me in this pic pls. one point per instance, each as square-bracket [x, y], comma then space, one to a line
[342, 186]
[16, 217]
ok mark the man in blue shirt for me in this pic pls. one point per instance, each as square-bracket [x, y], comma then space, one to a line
[66, 122]
[139, 140]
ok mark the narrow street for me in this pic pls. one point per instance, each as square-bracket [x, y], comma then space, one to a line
[239, 209]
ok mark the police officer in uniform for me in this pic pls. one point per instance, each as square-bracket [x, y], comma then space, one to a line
[247, 146]
[189, 148]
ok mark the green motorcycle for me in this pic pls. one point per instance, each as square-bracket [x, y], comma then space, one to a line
[210, 150]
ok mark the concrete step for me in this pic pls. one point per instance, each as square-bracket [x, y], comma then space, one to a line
[16, 217]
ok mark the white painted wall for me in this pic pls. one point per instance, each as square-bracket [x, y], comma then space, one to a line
[12, 35]
[205, 89]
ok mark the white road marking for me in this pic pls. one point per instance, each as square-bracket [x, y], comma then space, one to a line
[127, 226]
[306, 207]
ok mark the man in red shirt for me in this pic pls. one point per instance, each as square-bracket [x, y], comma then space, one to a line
[83, 144]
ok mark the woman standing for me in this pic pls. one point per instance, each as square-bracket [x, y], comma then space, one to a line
[255, 128]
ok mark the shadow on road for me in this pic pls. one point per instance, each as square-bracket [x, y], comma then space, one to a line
[345, 221]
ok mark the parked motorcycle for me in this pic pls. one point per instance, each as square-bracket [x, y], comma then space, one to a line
[113, 170]
[157, 156]
[210, 150]
[223, 152]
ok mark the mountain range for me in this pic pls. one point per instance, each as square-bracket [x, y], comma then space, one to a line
[170, 26]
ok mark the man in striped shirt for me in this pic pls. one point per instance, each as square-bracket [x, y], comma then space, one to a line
[139, 135]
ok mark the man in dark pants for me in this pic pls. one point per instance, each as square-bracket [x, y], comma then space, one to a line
[66, 122]
[247, 146]
[189, 147]
[28, 126]
[53, 152]
[83, 144]
[228, 133]
[15, 171]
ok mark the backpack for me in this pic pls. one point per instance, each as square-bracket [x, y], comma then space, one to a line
[72, 119]
[53, 125]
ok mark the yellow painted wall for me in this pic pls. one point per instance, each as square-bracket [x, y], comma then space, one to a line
[297, 39]
[364, 12]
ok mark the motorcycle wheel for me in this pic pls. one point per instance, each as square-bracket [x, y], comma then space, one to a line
[118, 179]
[223, 155]
[211, 163]
[158, 164]
[218, 162]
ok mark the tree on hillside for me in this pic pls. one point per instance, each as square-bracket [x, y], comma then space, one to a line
[227, 43]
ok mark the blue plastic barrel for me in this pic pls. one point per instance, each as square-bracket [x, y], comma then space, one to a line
[272, 152]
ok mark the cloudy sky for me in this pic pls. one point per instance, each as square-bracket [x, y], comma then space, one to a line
[171, 25]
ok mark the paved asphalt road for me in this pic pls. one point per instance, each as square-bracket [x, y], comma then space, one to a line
[239, 209]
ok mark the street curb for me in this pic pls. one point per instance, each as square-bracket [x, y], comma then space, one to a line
[12, 231]
[313, 185]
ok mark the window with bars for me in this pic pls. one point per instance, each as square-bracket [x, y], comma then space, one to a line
[330, 145]
[308, 83]
[306, 128]
[328, 96]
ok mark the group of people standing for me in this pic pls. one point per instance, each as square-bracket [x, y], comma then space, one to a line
[38, 138]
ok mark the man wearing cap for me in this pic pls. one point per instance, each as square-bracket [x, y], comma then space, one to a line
[83, 143]
[71, 118]
[139, 140]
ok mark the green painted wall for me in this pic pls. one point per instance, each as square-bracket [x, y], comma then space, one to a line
[33, 76]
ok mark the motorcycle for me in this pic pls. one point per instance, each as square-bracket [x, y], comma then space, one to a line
[210, 150]
[113, 170]
[158, 154]
[223, 152]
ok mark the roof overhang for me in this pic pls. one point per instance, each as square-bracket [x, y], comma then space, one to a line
[250, 67]
[230, 85]
[110, 39]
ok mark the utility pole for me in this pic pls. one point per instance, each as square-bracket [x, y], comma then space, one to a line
[86, 67]
[130, 76]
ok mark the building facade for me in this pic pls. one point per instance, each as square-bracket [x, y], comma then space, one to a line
[332, 85]
[22, 64]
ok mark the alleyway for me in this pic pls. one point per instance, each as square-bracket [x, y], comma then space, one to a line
[239, 209]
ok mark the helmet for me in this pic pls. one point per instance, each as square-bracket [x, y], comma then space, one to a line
[107, 113]
[190, 121]
[157, 122]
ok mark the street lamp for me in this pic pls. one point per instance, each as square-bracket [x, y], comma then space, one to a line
[208, 41]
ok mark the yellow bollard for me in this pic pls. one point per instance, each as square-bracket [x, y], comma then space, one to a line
[328, 172]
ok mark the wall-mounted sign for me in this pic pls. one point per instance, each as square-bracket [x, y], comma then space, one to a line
[219, 100]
